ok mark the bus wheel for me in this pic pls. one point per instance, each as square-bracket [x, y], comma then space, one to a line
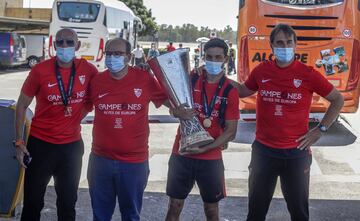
[32, 61]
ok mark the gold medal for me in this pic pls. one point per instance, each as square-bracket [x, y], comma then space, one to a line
[207, 122]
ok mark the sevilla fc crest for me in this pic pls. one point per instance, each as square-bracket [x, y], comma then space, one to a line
[297, 83]
[82, 79]
[137, 92]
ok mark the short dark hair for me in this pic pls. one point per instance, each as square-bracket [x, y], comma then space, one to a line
[217, 43]
[286, 29]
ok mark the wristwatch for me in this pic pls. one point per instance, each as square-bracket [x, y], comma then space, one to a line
[18, 142]
[322, 128]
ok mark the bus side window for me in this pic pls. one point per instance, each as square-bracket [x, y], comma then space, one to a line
[104, 22]
[242, 4]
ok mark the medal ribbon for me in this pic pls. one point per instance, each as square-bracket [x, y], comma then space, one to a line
[208, 109]
[65, 95]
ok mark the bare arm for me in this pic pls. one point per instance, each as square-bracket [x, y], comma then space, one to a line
[228, 135]
[242, 89]
[21, 106]
[336, 103]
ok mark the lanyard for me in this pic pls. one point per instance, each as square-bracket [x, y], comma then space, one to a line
[208, 109]
[65, 95]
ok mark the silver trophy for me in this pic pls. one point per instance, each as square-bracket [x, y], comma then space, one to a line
[172, 70]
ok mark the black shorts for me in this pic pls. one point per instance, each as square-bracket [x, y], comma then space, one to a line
[208, 174]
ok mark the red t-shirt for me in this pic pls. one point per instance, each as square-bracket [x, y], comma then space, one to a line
[170, 48]
[49, 122]
[121, 125]
[283, 101]
[232, 113]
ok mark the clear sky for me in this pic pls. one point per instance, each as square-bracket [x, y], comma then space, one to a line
[212, 13]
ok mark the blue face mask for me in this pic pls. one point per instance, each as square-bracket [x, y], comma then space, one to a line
[284, 54]
[115, 63]
[65, 54]
[213, 68]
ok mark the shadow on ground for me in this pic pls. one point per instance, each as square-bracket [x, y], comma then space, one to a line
[338, 134]
[9, 70]
[231, 209]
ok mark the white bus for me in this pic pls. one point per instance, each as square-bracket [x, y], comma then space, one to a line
[95, 22]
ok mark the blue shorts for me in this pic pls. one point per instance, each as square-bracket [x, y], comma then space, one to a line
[110, 179]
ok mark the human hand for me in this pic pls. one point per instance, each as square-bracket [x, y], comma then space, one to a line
[309, 138]
[225, 146]
[194, 150]
[183, 112]
[200, 69]
[143, 67]
[21, 150]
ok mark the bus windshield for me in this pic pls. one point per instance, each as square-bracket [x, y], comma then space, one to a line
[305, 2]
[78, 12]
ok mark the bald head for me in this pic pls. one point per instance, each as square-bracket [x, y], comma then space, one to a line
[118, 44]
[67, 37]
[66, 33]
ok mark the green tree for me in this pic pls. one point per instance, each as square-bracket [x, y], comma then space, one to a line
[189, 33]
[228, 33]
[140, 10]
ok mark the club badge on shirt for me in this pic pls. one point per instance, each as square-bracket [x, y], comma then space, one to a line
[82, 79]
[297, 83]
[137, 92]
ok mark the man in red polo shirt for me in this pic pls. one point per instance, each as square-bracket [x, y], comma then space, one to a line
[118, 165]
[282, 147]
[60, 86]
[204, 165]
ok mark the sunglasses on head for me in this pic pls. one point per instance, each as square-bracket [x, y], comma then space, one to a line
[61, 42]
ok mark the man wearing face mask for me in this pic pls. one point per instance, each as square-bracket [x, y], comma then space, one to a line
[153, 52]
[282, 146]
[218, 111]
[60, 86]
[118, 165]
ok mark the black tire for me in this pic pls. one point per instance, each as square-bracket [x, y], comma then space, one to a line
[32, 61]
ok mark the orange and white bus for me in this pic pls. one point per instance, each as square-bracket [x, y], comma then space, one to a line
[328, 36]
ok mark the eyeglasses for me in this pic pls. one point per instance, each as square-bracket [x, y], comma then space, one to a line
[115, 53]
[61, 42]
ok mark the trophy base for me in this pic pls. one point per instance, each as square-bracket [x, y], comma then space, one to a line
[198, 139]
